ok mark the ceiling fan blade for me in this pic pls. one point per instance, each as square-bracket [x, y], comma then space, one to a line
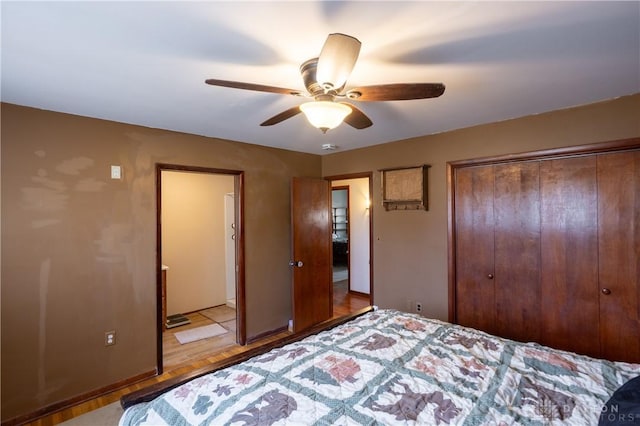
[282, 116]
[396, 92]
[357, 118]
[337, 59]
[252, 86]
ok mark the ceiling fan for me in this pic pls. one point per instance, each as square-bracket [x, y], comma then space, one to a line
[325, 78]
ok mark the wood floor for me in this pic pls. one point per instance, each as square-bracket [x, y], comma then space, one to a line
[177, 362]
[175, 354]
[345, 302]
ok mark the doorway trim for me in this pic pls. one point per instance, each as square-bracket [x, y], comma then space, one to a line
[368, 175]
[238, 185]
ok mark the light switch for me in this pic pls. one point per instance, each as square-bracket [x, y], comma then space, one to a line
[116, 172]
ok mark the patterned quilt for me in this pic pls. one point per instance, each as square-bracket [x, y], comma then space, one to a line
[389, 367]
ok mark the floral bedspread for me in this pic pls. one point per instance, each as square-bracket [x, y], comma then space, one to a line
[389, 367]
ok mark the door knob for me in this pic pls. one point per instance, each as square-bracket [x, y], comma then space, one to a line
[606, 291]
[490, 276]
[294, 263]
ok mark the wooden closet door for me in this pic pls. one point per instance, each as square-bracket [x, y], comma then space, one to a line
[569, 256]
[619, 249]
[517, 250]
[475, 298]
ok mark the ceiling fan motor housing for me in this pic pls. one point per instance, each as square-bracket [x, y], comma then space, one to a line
[308, 70]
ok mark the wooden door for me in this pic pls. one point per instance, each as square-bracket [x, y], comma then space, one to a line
[312, 296]
[474, 247]
[517, 250]
[619, 248]
[569, 255]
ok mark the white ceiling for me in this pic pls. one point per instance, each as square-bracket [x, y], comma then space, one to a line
[145, 62]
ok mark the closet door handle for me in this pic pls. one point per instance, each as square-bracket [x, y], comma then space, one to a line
[606, 291]
[490, 276]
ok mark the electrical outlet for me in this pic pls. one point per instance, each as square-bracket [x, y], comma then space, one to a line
[110, 338]
[419, 307]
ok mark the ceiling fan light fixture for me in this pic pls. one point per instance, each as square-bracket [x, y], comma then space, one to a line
[325, 78]
[325, 115]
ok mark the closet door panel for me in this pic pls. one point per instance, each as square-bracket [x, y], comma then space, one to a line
[619, 249]
[517, 250]
[475, 248]
[569, 259]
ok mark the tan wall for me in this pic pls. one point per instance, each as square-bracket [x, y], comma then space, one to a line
[78, 254]
[410, 247]
[193, 239]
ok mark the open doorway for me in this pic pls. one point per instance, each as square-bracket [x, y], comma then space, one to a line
[340, 234]
[200, 292]
[352, 247]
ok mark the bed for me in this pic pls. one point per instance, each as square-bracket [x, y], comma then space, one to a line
[391, 367]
